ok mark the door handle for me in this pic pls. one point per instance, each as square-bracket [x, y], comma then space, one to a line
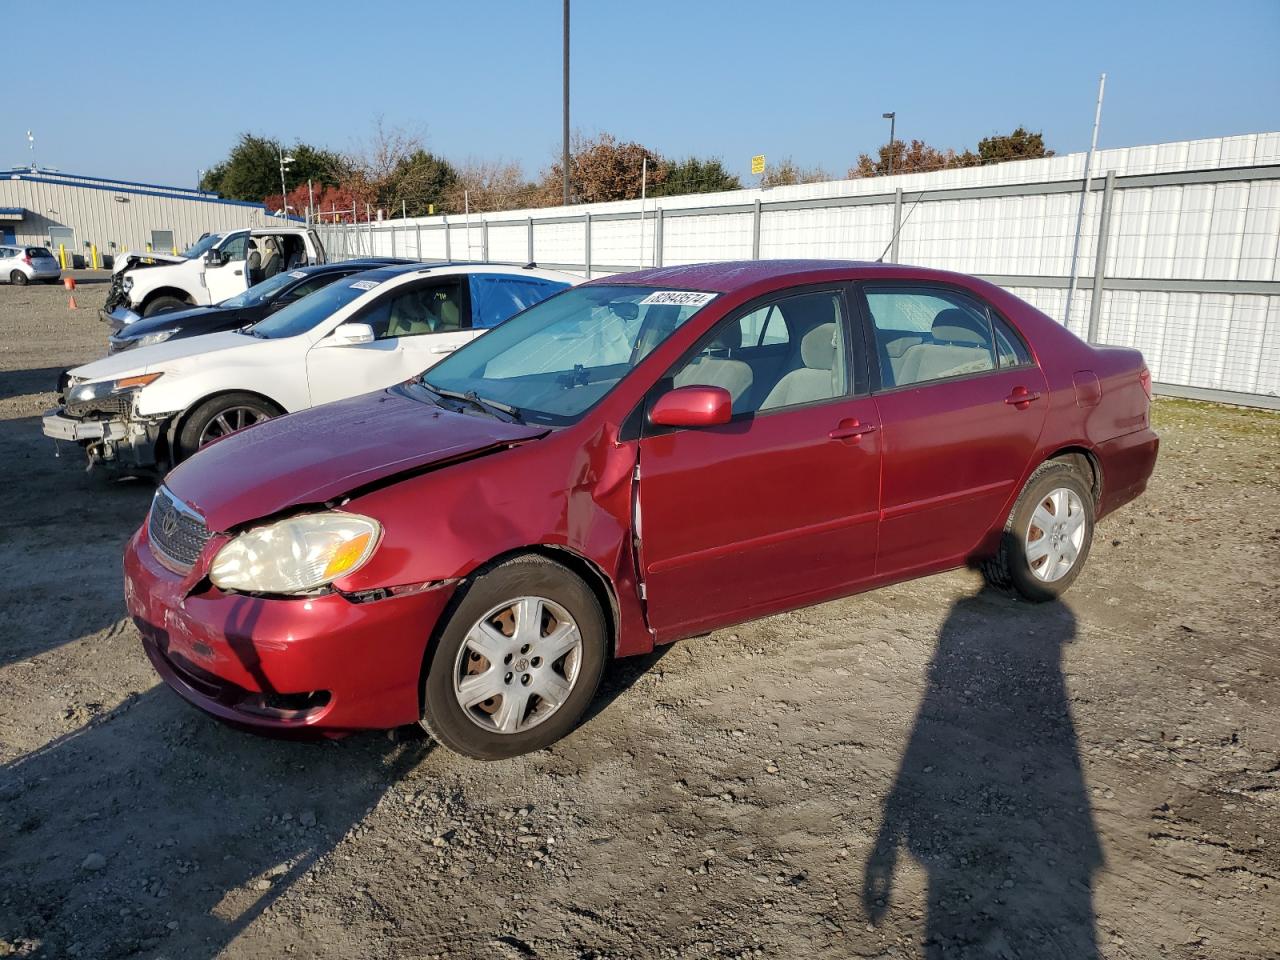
[443, 349]
[1021, 397]
[239, 273]
[851, 430]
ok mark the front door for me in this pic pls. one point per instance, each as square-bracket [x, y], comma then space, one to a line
[956, 438]
[415, 326]
[228, 278]
[779, 507]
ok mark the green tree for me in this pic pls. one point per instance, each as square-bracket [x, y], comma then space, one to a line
[1019, 145]
[252, 170]
[420, 180]
[694, 175]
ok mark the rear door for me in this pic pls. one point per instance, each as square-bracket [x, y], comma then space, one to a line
[961, 405]
[779, 507]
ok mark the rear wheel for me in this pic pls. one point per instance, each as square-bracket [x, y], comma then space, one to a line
[220, 416]
[1047, 537]
[18, 278]
[518, 662]
[164, 305]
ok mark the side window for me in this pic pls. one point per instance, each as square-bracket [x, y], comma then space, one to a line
[422, 308]
[783, 354]
[764, 326]
[234, 249]
[497, 297]
[1013, 352]
[929, 334]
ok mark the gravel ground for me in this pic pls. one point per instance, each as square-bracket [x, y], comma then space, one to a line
[928, 770]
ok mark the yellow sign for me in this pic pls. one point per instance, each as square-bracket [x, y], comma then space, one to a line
[757, 164]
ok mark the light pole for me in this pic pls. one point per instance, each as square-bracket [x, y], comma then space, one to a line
[564, 161]
[284, 162]
[892, 118]
[199, 179]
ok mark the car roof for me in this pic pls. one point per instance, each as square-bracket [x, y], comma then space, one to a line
[732, 276]
[447, 267]
[361, 264]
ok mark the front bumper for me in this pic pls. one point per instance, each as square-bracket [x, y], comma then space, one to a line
[59, 426]
[321, 664]
[119, 318]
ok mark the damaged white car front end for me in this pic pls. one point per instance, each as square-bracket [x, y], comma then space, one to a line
[102, 417]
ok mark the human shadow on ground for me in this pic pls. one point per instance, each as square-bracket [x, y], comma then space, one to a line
[990, 797]
[155, 830]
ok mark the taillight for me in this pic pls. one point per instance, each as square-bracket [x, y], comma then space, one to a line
[26, 258]
[1145, 379]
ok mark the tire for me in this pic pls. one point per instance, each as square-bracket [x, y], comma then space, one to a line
[164, 305]
[1033, 566]
[496, 598]
[18, 278]
[219, 416]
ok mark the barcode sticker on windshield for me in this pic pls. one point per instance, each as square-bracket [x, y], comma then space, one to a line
[364, 284]
[297, 275]
[679, 298]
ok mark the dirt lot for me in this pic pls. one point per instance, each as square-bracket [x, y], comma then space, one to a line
[929, 770]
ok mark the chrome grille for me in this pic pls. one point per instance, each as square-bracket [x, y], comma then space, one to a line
[177, 532]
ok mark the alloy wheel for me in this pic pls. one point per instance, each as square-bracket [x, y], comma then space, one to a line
[229, 421]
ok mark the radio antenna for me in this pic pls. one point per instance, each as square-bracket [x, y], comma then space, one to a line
[889, 245]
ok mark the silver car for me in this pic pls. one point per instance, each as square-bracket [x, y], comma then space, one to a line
[24, 264]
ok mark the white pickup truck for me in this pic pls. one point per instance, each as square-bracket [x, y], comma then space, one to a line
[219, 266]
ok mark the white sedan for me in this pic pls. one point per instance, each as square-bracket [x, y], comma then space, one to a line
[151, 407]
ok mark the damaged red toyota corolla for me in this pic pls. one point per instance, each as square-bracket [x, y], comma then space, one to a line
[637, 460]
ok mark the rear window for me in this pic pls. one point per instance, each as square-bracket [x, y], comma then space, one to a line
[38, 252]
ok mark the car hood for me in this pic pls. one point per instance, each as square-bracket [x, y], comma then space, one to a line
[316, 455]
[196, 316]
[128, 260]
[155, 357]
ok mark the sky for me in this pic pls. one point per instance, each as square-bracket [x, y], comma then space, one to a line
[155, 91]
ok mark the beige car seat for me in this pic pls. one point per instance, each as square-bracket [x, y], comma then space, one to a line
[711, 371]
[816, 380]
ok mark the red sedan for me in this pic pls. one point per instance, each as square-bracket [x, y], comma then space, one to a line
[637, 460]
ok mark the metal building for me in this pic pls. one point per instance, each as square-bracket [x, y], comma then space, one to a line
[83, 214]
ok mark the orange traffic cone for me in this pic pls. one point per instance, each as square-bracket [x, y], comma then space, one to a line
[71, 303]
[70, 284]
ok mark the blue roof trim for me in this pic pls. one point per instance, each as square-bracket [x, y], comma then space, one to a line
[127, 183]
[13, 210]
[197, 197]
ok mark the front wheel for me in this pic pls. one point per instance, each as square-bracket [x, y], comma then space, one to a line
[164, 305]
[1047, 537]
[220, 416]
[518, 662]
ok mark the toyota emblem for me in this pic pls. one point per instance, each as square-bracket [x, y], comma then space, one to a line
[169, 522]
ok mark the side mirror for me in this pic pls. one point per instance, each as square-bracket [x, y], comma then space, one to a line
[214, 258]
[693, 406]
[279, 304]
[349, 335]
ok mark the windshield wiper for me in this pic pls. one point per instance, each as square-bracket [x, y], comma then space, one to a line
[476, 400]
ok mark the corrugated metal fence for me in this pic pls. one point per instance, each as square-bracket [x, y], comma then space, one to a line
[1178, 254]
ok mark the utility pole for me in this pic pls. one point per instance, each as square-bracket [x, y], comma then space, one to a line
[893, 119]
[1088, 182]
[564, 161]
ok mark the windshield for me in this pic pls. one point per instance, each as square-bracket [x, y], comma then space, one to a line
[261, 292]
[560, 357]
[301, 315]
[201, 247]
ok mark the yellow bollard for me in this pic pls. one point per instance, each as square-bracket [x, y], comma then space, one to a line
[93, 255]
[62, 256]
[148, 248]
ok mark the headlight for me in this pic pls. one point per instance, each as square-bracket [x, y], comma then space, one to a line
[160, 336]
[297, 554]
[126, 284]
[84, 392]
